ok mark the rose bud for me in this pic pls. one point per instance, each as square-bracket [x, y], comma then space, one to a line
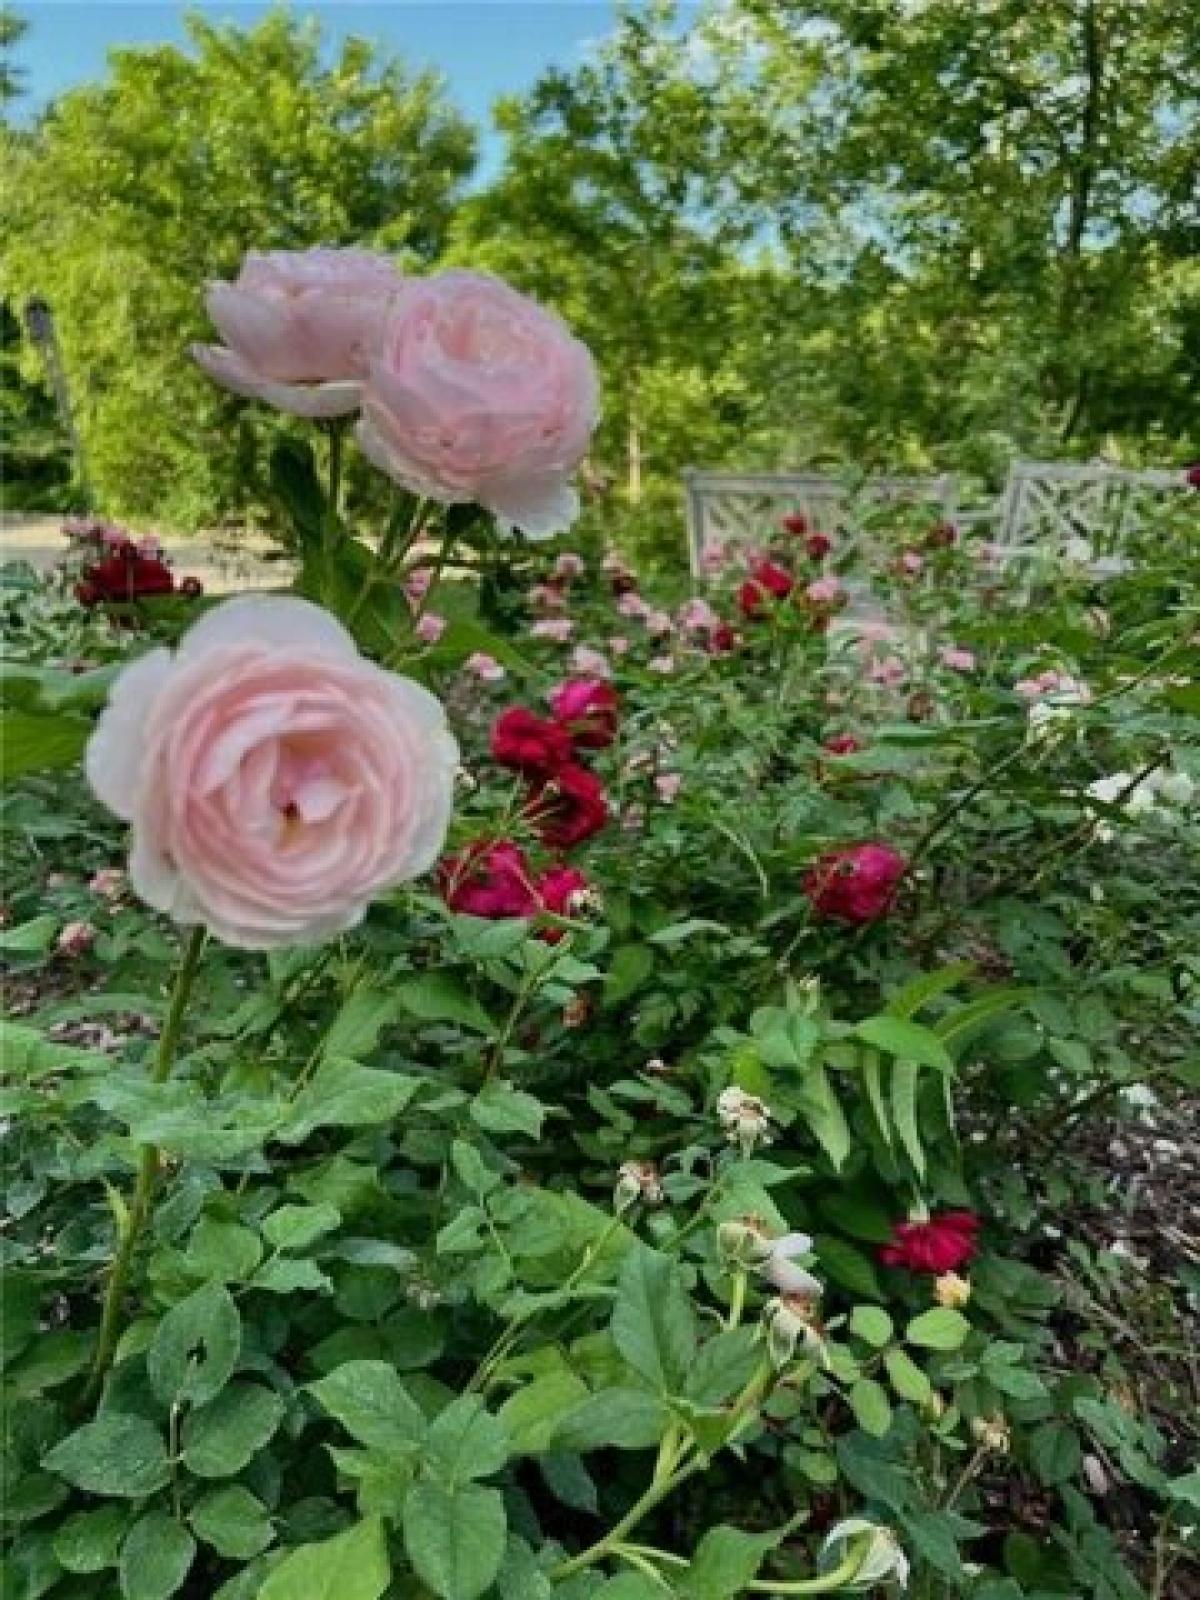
[796, 523]
[818, 546]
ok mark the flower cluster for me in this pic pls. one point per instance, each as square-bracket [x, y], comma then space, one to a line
[119, 569]
[1159, 794]
[467, 391]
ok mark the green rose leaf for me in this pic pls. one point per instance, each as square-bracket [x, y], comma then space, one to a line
[653, 1324]
[195, 1347]
[454, 1538]
[155, 1558]
[370, 1401]
[464, 1442]
[233, 1521]
[940, 1328]
[220, 1438]
[116, 1455]
[352, 1565]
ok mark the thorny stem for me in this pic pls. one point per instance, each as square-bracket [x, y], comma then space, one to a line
[131, 1226]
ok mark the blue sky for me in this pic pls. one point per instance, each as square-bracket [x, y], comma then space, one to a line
[483, 47]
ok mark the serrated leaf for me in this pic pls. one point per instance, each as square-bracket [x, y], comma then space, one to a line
[370, 1401]
[940, 1328]
[531, 1415]
[220, 1438]
[344, 1094]
[464, 1442]
[195, 1347]
[115, 1455]
[623, 1419]
[653, 1324]
[352, 1565]
[902, 1093]
[437, 997]
[156, 1558]
[296, 1227]
[454, 1538]
[233, 1521]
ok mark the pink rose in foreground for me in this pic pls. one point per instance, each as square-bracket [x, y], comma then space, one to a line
[299, 327]
[476, 393]
[275, 780]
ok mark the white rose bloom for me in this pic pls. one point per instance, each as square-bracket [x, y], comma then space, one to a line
[885, 1559]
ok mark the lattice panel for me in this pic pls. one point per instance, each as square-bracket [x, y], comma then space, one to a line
[1048, 506]
[727, 509]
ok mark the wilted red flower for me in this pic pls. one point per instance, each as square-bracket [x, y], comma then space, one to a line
[587, 708]
[796, 524]
[818, 545]
[842, 744]
[569, 806]
[488, 880]
[942, 1244]
[528, 743]
[856, 884]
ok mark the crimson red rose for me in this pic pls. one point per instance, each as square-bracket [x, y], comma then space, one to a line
[557, 890]
[587, 708]
[856, 884]
[767, 581]
[842, 744]
[488, 880]
[123, 577]
[943, 1244]
[568, 807]
[818, 545]
[795, 524]
[528, 743]
[723, 640]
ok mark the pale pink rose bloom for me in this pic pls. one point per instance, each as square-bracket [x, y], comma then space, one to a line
[275, 780]
[662, 664]
[557, 629]
[658, 624]
[912, 561]
[113, 538]
[714, 559]
[430, 627]
[589, 663]
[545, 597]
[76, 939]
[890, 671]
[632, 604]
[486, 668]
[824, 591]
[697, 616]
[569, 566]
[149, 546]
[478, 394]
[619, 645]
[668, 785]
[300, 327]
[110, 883]
[957, 658]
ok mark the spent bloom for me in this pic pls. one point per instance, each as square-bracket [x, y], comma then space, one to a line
[745, 1119]
[475, 393]
[884, 1560]
[300, 327]
[790, 1321]
[637, 1181]
[76, 939]
[276, 781]
[824, 592]
[569, 566]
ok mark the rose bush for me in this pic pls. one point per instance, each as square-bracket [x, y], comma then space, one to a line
[670, 1156]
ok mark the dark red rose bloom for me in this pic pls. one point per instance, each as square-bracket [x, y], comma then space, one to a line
[767, 581]
[557, 890]
[856, 884]
[192, 588]
[723, 640]
[124, 577]
[943, 1244]
[818, 545]
[528, 743]
[796, 524]
[943, 535]
[842, 744]
[568, 807]
[1193, 476]
[488, 880]
[587, 708]
[623, 582]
